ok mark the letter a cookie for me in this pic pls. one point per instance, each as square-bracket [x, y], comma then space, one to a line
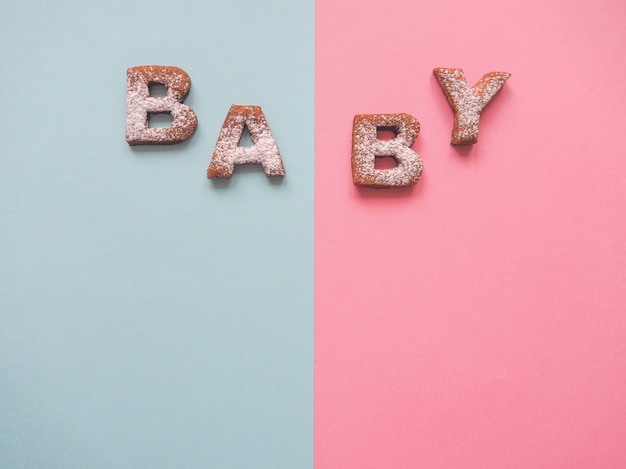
[229, 153]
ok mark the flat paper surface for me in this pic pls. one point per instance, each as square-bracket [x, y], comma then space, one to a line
[476, 321]
[150, 317]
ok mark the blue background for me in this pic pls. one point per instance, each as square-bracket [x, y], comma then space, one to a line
[150, 317]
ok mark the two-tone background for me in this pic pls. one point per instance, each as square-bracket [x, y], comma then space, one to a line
[151, 318]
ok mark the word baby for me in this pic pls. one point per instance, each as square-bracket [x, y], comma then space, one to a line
[467, 104]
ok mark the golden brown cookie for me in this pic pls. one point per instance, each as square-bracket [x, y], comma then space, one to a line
[467, 103]
[140, 105]
[366, 147]
[229, 153]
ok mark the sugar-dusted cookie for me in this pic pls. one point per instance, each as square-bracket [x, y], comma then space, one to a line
[229, 153]
[366, 147]
[139, 105]
[466, 102]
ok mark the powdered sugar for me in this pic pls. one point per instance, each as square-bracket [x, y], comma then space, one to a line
[366, 147]
[467, 102]
[139, 105]
[228, 153]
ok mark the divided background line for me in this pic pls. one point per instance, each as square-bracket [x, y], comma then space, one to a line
[152, 318]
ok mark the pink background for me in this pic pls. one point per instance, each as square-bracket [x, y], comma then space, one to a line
[476, 321]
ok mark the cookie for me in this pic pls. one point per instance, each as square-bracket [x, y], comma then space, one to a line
[366, 147]
[140, 105]
[229, 153]
[467, 103]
